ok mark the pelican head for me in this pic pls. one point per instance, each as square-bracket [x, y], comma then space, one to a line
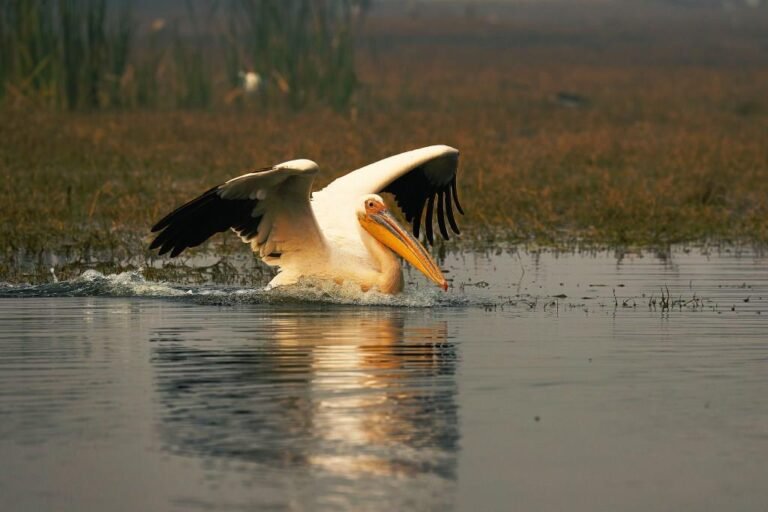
[376, 219]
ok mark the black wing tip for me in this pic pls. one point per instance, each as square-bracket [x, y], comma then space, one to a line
[455, 194]
[449, 211]
[164, 222]
[416, 188]
[197, 220]
[441, 215]
[184, 208]
[173, 243]
[163, 242]
[164, 248]
[428, 220]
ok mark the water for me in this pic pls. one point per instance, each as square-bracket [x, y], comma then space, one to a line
[530, 386]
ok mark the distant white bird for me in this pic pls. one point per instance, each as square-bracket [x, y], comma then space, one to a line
[342, 233]
[251, 81]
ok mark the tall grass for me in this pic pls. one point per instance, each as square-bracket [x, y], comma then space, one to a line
[28, 50]
[192, 72]
[305, 47]
[666, 150]
[65, 53]
[90, 54]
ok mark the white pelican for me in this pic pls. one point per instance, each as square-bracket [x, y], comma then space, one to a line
[342, 233]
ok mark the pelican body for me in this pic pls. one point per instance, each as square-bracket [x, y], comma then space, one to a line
[344, 232]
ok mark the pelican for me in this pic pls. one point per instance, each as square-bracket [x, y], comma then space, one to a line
[344, 232]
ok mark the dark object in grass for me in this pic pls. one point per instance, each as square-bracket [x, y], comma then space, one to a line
[571, 99]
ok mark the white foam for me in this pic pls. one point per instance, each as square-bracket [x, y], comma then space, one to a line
[92, 283]
[133, 284]
[328, 292]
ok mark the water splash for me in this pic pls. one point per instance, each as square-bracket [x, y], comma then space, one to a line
[92, 283]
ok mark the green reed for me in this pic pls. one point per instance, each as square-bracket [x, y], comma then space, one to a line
[192, 70]
[304, 48]
[65, 53]
[90, 54]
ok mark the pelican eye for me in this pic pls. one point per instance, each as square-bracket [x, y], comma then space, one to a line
[371, 204]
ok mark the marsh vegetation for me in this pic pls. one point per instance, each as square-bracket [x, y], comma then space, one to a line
[623, 135]
[95, 54]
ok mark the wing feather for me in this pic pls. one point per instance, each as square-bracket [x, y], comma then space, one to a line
[449, 207]
[251, 205]
[414, 178]
[456, 197]
[441, 214]
[428, 220]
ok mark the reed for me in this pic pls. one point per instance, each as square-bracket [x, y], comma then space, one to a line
[192, 72]
[66, 53]
[666, 147]
[29, 53]
[88, 54]
[305, 48]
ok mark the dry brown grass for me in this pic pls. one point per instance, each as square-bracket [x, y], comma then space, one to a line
[672, 144]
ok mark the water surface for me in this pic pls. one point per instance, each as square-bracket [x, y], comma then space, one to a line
[540, 382]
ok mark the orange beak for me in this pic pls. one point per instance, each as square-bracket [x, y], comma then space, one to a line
[383, 227]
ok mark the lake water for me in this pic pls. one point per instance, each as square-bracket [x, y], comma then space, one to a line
[539, 382]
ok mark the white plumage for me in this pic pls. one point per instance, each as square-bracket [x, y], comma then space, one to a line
[342, 233]
[251, 81]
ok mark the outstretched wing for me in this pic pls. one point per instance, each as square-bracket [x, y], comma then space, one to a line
[418, 179]
[268, 208]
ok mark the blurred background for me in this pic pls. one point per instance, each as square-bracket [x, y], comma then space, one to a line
[347, 54]
[581, 122]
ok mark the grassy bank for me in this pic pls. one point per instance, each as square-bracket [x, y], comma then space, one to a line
[641, 146]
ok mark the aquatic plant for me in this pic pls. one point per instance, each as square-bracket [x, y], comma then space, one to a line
[305, 48]
[66, 53]
[670, 148]
[89, 54]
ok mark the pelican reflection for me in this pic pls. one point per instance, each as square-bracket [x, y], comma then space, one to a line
[351, 393]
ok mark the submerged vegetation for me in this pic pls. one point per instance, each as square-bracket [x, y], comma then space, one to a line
[615, 137]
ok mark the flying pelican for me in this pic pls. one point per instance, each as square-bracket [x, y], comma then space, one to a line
[344, 232]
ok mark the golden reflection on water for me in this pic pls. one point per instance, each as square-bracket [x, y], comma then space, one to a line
[344, 392]
[364, 370]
